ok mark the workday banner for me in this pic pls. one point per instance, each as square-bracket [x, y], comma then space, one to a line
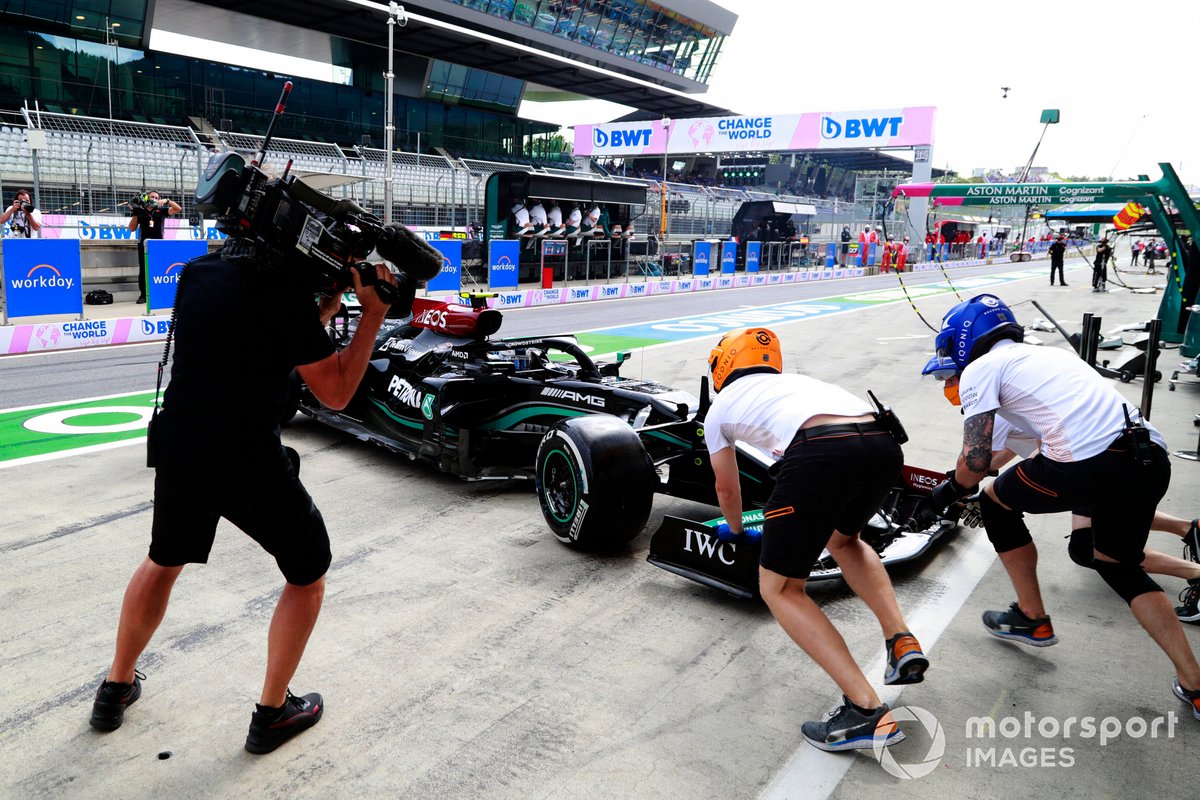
[450, 278]
[165, 259]
[819, 130]
[503, 255]
[701, 257]
[42, 277]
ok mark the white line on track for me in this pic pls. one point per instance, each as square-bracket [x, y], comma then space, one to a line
[813, 774]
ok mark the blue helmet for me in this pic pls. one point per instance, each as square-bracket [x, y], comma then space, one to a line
[972, 327]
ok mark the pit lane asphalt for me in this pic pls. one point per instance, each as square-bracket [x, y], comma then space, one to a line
[465, 653]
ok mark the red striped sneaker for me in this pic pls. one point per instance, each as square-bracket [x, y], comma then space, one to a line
[1015, 626]
[112, 698]
[271, 727]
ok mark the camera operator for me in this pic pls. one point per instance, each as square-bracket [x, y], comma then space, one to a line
[149, 218]
[217, 451]
[20, 216]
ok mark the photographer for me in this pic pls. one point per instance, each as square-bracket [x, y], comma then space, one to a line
[148, 215]
[217, 451]
[21, 216]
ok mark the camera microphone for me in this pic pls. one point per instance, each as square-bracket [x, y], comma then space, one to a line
[410, 252]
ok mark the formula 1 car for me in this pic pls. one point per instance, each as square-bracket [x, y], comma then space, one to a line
[598, 445]
[896, 533]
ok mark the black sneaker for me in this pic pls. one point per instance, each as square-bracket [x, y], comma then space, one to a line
[271, 727]
[1190, 597]
[905, 661]
[1015, 626]
[1192, 698]
[847, 727]
[141, 299]
[1191, 542]
[112, 698]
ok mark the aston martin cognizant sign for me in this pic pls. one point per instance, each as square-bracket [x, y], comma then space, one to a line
[825, 130]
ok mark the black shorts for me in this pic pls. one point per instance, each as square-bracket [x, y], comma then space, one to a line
[1120, 497]
[261, 496]
[831, 482]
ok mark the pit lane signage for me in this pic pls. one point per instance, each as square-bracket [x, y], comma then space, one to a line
[449, 279]
[42, 277]
[1039, 194]
[165, 260]
[503, 256]
[821, 130]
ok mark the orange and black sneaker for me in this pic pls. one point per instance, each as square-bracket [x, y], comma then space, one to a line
[1015, 626]
[271, 727]
[905, 661]
[1189, 696]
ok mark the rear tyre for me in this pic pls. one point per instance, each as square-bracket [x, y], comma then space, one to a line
[595, 482]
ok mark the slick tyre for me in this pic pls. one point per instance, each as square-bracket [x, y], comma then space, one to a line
[595, 483]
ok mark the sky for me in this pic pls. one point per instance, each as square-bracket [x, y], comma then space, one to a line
[1121, 74]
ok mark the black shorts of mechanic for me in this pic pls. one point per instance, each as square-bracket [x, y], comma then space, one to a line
[263, 497]
[1120, 497]
[826, 482]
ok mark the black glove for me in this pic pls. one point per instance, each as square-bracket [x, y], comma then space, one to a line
[937, 505]
[972, 516]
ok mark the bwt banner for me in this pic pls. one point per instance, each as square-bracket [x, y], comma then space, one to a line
[42, 277]
[165, 259]
[450, 278]
[821, 130]
[753, 255]
[728, 258]
[503, 255]
[45, 336]
[701, 257]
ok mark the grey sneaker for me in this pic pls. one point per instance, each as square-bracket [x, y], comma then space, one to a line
[1012, 624]
[1190, 597]
[848, 728]
[1192, 698]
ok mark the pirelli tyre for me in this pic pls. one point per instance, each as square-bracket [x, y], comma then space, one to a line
[595, 482]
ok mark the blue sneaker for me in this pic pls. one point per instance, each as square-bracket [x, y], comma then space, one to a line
[1015, 626]
[848, 728]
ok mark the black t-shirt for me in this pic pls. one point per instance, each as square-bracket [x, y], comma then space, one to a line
[240, 331]
[150, 221]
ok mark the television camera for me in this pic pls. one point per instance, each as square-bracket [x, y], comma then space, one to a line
[290, 221]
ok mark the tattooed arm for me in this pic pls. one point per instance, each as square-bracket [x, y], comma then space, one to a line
[976, 457]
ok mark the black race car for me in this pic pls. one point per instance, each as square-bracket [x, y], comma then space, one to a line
[441, 389]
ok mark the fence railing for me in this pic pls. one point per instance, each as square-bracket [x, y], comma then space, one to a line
[93, 166]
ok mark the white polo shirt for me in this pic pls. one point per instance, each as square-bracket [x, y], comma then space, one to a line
[1051, 395]
[766, 410]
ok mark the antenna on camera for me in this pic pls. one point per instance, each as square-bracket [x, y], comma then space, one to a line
[279, 107]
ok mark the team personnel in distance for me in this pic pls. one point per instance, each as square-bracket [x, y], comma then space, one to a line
[21, 216]
[150, 220]
[836, 466]
[1095, 453]
[218, 454]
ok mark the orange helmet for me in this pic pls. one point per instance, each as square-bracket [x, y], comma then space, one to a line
[744, 352]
